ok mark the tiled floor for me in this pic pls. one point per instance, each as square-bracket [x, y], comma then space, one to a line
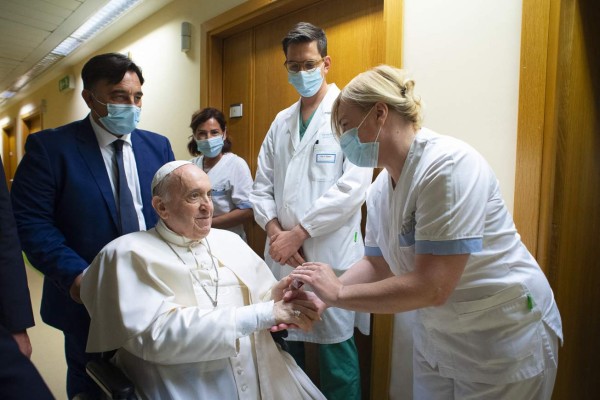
[47, 342]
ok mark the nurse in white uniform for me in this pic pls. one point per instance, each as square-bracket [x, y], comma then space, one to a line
[230, 176]
[441, 241]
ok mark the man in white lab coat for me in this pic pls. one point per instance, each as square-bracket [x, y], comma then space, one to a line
[307, 196]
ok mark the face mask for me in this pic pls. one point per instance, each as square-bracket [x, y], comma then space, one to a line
[360, 154]
[121, 118]
[307, 83]
[210, 147]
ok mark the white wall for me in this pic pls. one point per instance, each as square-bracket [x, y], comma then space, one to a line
[172, 77]
[464, 56]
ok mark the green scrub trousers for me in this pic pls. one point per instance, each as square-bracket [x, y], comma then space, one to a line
[339, 370]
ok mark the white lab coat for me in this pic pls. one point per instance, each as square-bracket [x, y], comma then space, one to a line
[310, 182]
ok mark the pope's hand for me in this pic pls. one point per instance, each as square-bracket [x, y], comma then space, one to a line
[74, 291]
[324, 282]
[297, 313]
[299, 294]
[280, 288]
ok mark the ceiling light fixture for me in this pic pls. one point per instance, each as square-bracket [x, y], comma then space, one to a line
[112, 11]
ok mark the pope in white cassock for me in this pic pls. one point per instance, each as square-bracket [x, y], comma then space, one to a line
[189, 308]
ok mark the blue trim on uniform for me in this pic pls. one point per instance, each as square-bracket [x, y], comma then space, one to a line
[407, 239]
[373, 252]
[449, 247]
[218, 193]
[244, 205]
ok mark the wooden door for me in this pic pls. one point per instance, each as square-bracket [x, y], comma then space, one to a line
[574, 251]
[237, 89]
[9, 154]
[31, 123]
[559, 173]
[249, 70]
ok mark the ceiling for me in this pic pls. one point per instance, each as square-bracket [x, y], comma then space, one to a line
[30, 29]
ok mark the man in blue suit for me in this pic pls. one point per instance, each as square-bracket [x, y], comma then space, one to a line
[80, 186]
[18, 376]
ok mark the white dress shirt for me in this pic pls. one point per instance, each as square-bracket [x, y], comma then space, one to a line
[105, 141]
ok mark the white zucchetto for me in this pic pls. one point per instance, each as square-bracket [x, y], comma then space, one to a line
[166, 170]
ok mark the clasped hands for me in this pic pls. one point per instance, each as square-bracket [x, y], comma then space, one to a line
[285, 247]
[295, 308]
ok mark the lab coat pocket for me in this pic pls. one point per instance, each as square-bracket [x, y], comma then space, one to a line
[405, 256]
[497, 339]
[325, 163]
[221, 189]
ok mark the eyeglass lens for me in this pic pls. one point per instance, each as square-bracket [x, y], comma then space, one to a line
[308, 65]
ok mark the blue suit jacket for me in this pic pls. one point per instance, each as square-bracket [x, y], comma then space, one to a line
[15, 306]
[66, 212]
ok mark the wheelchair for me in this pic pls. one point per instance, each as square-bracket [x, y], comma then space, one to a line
[116, 386]
[111, 380]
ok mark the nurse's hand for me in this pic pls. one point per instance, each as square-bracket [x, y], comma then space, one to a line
[321, 278]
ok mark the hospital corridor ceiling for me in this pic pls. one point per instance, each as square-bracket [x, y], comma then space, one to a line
[31, 30]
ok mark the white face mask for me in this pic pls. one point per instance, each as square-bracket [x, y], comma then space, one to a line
[211, 147]
[360, 154]
[121, 118]
[306, 83]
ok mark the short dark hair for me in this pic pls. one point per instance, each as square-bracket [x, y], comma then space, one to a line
[200, 117]
[110, 67]
[305, 32]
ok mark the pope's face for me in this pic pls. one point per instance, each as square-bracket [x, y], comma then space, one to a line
[188, 208]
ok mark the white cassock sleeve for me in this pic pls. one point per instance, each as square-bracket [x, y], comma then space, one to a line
[188, 334]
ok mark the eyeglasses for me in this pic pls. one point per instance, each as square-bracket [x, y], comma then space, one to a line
[294, 67]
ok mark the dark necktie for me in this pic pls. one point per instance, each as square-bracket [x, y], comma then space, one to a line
[127, 214]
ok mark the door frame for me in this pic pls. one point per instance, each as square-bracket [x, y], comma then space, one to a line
[8, 132]
[536, 126]
[256, 12]
[25, 125]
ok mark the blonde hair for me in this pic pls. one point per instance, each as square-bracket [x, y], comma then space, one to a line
[384, 84]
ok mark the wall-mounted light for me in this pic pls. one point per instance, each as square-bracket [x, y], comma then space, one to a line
[186, 36]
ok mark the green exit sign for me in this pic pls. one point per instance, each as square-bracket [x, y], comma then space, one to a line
[66, 83]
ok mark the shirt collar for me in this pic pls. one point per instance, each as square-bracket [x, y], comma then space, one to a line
[174, 238]
[104, 137]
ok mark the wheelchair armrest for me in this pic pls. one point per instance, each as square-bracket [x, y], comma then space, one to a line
[111, 380]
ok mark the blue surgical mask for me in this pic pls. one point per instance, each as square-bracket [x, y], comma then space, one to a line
[212, 147]
[307, 83]
[360, 154]
[121, 118]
